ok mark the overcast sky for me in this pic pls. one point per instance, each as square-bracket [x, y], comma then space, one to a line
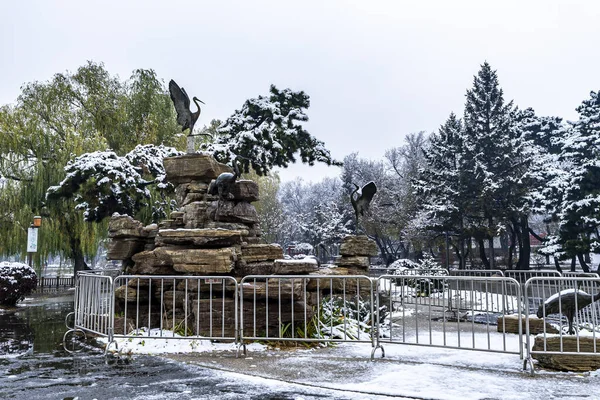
[374, 70]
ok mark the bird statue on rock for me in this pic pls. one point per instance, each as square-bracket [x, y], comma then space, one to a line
[567, 302]
[185, 117]
[223, 185]
[361, 201]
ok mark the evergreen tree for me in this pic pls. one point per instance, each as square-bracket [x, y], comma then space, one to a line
[442, 185]
[489, 150]
[579, 214]
[267, 132]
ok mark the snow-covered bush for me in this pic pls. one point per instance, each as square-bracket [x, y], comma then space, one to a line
[304, 248]
[402, 265]
[349, 319]
[16, 281]
[427, 266]
[102, 182]
[337, 319]
[268, 132]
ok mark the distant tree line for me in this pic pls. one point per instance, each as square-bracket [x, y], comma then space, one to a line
[498, 173]
[83, 145]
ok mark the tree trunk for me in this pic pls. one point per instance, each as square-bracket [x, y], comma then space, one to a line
[382, 248]
[582, 262]
[77, 256]
[573, 264]
[519, 236]
[492, 262]
[511, 248]
[484, 259]
[525, 254]
[557, 265]
[463, 255]
[470, 251]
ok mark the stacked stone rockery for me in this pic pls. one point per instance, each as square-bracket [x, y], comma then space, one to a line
[209, 236]
[129, 237]
[355, 253]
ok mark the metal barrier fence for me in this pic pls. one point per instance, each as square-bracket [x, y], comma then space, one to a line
[93, 304]
[476, 272]
[460, 312]
[524, 275]
[570, 309]
[44, 283]
[378, 271]
[307, 308]
[569, 274]
[178, 307]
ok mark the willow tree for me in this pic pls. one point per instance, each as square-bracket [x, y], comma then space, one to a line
[52, 122]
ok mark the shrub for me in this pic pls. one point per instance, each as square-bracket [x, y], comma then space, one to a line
[16, 281]
[424, 287]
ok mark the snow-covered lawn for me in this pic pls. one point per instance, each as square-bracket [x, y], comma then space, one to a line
[157, 341]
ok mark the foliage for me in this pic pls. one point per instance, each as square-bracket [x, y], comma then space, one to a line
[16, 281]
[267, 133]
[574, 186]
[103, 183]
[341, 319]
[314, 212]
[269, 207]
[335, 318]
[424, 287]
[391, 221]
[56, 121]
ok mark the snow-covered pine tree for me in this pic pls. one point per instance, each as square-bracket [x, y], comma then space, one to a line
[103, 183]
[579, 215]
[267, 132]
[488, 150]
[442, 186]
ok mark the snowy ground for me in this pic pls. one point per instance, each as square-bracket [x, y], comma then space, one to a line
[407, 371]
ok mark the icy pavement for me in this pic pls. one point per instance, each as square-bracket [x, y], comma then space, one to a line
[406, 371]
[88, 376]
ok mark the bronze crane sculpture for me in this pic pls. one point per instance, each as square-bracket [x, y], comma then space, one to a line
[223, 185]
[185, 117]
[361, 201]
[567, 302]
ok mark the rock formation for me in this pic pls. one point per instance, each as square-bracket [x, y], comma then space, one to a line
[208, 238]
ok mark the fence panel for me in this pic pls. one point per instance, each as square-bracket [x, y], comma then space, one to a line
[523, 275]
[180, 307]
[49, 284]
[476, 272]
[456, 312]
[316, 308]
[93, 304]
[570, 308]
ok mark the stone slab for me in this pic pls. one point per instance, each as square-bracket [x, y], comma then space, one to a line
[245, 190]
[193, 167]
[567, 362]
[199, 237]
[353, 261]
[122, 249]
[358, 246]
[261, 252]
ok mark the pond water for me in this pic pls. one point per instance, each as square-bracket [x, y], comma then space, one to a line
[34, 365]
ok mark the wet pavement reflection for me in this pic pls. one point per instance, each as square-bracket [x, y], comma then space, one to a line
[34, 365]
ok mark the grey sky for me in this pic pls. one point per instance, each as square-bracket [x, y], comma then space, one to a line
[375, 70]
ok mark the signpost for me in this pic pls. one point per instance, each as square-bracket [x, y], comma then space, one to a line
[32, 239]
